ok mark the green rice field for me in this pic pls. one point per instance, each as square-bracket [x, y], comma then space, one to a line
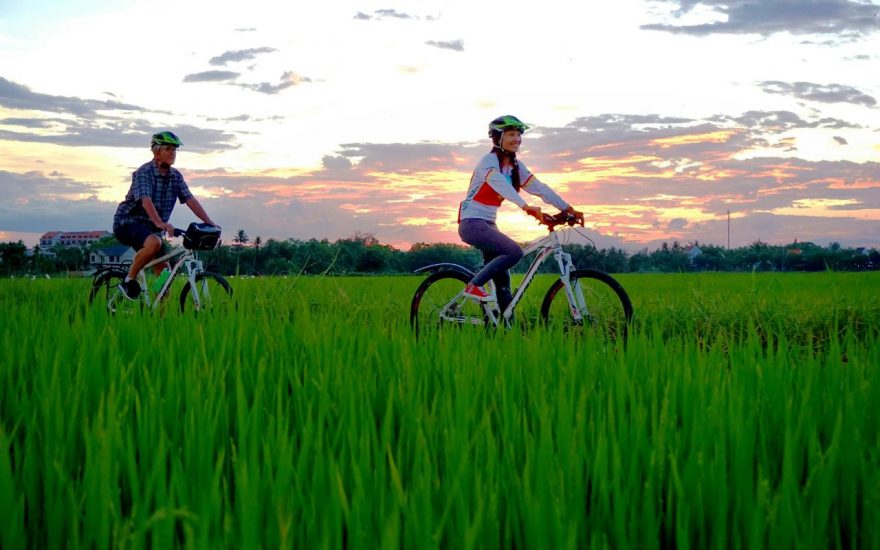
[743, 412]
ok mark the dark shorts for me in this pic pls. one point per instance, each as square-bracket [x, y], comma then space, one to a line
[135, 234]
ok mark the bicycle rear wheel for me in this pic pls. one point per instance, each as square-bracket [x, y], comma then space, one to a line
[598, 306]
[210, 293]
[105, 289]
[438, 302]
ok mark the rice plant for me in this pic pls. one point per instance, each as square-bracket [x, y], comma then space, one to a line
[741, 413]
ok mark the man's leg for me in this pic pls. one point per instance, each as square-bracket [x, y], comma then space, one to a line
[152, 246]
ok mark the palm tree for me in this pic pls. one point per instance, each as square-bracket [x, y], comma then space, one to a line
[257, 242]
[241, 238]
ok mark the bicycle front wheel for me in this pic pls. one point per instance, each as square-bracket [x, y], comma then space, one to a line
[597, 305]
[438, 302]
[211, 292]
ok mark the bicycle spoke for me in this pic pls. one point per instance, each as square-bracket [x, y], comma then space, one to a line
[595, 305]
[211, 292]
[438, 302]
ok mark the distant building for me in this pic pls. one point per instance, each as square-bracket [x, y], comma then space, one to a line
[112, 255]
[51, 239]
[692, 252]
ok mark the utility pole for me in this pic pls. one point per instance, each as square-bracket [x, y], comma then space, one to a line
[728, 229]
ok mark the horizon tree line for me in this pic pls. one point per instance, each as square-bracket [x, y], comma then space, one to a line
[362, 253]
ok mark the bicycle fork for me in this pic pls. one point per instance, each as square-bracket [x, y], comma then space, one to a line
[193, 268]
[573, 292]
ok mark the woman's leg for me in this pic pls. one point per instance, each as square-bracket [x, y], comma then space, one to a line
[500, 251]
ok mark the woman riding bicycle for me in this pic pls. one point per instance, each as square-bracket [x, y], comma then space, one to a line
[499, 176]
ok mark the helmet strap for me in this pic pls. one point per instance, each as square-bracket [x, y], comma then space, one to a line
[503, 150]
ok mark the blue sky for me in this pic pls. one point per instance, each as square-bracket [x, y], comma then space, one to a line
[656, 117]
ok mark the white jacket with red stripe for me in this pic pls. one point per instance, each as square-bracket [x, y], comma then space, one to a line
[490, 186]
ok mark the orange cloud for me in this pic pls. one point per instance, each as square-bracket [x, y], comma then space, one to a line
[719, 136]
[780, 172]
[859, 184]
[867, 214]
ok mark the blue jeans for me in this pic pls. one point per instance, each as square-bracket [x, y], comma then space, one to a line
[500, 253]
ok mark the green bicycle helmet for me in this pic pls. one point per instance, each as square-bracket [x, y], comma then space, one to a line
[506, 122]
[165, 138]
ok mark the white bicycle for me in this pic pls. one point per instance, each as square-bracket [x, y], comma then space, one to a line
[202, 290]
[584, 301]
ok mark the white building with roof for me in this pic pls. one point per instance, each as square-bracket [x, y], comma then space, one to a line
[51, 239]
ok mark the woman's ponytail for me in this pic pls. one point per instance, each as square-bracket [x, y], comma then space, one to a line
[514, 175]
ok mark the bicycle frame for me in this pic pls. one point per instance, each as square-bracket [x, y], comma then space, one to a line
[610, 309]
[187, 260]
[545, 247]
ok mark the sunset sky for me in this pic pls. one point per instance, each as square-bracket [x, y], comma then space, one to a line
[322, 119]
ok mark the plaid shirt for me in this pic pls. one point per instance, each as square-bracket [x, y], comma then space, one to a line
[146, 181]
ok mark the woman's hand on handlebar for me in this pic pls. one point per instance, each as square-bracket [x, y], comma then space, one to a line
[569, 216]
[578, 215]
[535, 212]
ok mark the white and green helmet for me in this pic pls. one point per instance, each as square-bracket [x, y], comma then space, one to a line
[165, 138]
[506, 122]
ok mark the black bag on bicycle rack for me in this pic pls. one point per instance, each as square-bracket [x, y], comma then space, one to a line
[201, 236]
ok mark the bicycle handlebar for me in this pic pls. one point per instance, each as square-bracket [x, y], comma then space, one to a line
[562, 218]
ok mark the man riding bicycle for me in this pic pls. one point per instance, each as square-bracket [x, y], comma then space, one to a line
[143, 216]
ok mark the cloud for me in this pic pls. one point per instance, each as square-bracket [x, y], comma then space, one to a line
[780, 121]
[17, 96]
[676, 224]
[840, 140]
[288, 80]
[239, 55]
[34, 202]
[765, 17]
[211, 76]
[642, 178]
[645, 178]
[383, 14]
[336, 164]
[823, 93]
[31, 122]
[122, 133]
[405, 158]
[95, 123]
[392, 13]
[454, 45]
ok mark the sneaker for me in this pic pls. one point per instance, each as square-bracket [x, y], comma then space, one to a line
[131, 290]
[478, 293]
